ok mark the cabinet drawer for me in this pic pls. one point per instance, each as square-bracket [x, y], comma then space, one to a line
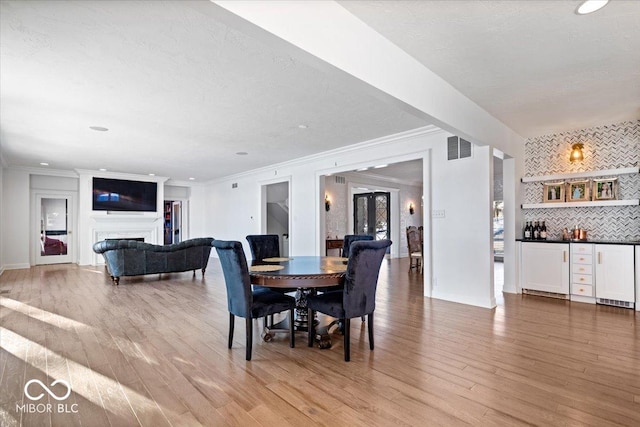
[582, 248]
[585, 290]
[582, 259]
[582, 279]
[582, 269]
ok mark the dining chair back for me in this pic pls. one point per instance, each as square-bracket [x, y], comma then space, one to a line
[244, 302]
[264, 246]
[414, 244]
[349, 239]
[358, 296]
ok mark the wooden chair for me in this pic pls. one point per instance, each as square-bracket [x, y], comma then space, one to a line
[414, 244]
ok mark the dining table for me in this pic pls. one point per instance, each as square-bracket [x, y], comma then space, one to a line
[305, 274]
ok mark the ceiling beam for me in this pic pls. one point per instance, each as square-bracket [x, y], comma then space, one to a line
[327, 36]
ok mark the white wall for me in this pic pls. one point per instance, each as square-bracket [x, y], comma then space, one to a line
[15, 219]
[461, 242]
[462, 239]
[198, 212]
[1, 215]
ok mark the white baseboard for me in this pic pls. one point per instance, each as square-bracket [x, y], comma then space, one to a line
[462, 299]
[17, 266]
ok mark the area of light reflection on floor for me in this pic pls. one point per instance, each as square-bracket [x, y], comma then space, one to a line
[71, 325]
[84, 381]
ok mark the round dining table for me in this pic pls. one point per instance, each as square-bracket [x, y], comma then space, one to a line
[304, 273]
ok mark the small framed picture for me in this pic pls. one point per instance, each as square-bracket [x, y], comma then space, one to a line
[554, 192]
[605, 189]
[578, 191]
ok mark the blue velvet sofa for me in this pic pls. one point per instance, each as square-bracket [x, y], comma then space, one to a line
[132, 258]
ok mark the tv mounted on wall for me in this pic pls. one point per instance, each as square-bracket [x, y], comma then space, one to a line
[123, 195]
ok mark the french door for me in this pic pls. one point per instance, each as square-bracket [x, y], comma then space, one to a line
[372, 214]
[54, 230]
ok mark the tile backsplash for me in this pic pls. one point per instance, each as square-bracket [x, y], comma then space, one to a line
[605, 147]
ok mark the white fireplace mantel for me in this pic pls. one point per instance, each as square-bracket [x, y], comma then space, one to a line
[124, 226]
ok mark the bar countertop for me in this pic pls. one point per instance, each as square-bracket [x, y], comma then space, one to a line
[598, 242]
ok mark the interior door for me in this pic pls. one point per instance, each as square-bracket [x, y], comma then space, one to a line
[372, 214]
[54, 230]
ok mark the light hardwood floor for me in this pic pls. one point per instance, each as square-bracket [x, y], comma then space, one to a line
[153, 352]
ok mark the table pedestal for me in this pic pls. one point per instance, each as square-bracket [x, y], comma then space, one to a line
[301, 322]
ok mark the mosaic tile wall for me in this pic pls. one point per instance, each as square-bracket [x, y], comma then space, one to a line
[605, 147]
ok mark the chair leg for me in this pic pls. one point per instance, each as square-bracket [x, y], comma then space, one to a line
[232, 320]
[310, 332]
[362, 318]
[249, 322]
[292, 335]
[347, 340]
[370, 327]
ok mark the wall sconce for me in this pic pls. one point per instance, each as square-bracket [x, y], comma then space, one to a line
[576, 153]
[327, 203]
[411, 210]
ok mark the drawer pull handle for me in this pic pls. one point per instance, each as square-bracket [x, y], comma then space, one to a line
[581, 290]
[564, 256]
[582, 279]
[599, 257]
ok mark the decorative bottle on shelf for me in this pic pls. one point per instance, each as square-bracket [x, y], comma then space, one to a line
[527, 230]
[543, 231]
[536, 231]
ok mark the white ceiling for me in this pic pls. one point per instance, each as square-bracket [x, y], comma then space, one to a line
[181, 93]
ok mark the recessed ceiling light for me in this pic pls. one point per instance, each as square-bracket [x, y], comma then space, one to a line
[590, 6]
[152, 174]
[99, 128]
[192, 179]
[380, 166]
[303, 126]
[362, 169]
[44, 164]
[242, 153]
[102, 170]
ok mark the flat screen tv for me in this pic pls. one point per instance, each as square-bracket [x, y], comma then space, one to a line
[123, 195]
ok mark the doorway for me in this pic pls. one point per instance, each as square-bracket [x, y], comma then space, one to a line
[54, 243]
[276, 213]
[498, 227]
[173, 212]
[372, 214]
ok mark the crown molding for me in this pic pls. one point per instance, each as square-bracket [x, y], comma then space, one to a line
[122, 175]
[45, 171]
[426, 130]
[182, 183]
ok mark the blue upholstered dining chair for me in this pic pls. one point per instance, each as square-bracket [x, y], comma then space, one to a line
[242, 300]
[358, 297]
[264, 246]
[346, 245]
[349, 239]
